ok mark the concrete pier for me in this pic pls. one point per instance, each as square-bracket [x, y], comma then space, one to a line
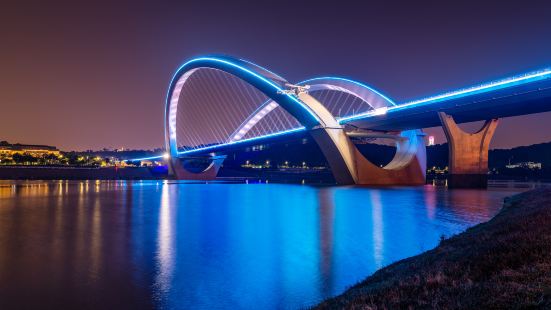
[468, 153]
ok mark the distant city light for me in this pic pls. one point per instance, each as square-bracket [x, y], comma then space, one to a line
[431, 140]
[380, 111]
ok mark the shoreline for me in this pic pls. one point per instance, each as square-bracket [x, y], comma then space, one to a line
[79, 173]
[502, 263]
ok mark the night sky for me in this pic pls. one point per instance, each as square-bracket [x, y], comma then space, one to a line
[92, 74]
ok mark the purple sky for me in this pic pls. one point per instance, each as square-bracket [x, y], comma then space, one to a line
[88, 75]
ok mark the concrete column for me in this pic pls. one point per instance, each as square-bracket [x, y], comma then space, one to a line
[468, 153]
[339, 153]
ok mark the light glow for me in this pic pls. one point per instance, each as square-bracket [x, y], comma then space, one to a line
[265, 109]
[380, 111]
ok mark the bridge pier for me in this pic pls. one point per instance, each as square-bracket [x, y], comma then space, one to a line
[196, 168]
[408, 167]
[349, 166]
[468, 153]
[338, 151]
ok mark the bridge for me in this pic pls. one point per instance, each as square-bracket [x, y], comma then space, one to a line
[219, 103]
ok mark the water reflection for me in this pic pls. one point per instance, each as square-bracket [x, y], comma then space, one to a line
[377, 219]
[430, 201]
[144, 244]
[326, 214]
[165, 254]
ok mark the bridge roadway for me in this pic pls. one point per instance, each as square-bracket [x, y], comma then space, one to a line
[516, 96]
[511, 100]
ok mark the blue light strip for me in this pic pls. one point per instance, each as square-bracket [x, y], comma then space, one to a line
[260, 108]
[351, 81]
[275, 134]
[487, 87]
[145, 158]
[269, 71]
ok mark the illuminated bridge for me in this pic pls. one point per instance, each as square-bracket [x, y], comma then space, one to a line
[218, 103]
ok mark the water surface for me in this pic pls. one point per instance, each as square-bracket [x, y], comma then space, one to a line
[206, 246]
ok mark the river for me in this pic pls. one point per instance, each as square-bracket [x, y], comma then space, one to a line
[181, 245]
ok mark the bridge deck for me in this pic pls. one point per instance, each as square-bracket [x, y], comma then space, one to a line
[501, 99]
[516, 100]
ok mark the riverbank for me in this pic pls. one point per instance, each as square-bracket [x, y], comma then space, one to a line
[503, 263]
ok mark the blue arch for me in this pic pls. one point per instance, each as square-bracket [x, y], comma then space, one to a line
[267, 82]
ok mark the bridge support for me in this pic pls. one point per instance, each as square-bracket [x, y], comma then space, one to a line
[196, 168]
[338, 150]
[408, 167]
[468, 153]
[349, 166]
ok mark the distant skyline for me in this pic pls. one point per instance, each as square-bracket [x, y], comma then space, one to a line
[89, 75]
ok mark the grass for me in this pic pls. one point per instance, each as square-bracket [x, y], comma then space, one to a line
[504, 263]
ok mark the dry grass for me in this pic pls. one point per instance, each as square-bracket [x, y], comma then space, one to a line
[502, 264]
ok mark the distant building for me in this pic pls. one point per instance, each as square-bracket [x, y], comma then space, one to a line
[527, 165]
[431, 140]
[35, 150]
[147, 163]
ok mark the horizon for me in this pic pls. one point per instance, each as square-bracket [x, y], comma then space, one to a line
[106, 149]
